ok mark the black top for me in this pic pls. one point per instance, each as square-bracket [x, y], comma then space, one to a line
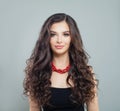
[60, 101]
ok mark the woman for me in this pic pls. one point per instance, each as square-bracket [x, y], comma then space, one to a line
[58, 77]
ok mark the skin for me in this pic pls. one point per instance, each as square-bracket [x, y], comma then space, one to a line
[60, 36]
[60, 42]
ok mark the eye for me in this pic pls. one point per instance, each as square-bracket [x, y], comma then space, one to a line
[66, 34]
[52, 34]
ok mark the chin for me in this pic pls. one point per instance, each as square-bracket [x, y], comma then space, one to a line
[60, 52]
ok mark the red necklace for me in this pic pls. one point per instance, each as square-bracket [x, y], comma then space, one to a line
[61, 71]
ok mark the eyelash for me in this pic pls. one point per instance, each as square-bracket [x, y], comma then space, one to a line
[65, 34]
[52, 35]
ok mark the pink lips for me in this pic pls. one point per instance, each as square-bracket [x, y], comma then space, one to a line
[59, 46]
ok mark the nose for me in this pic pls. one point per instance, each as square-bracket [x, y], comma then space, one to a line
[59, 39]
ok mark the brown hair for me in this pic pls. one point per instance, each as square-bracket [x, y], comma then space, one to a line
[38, 69]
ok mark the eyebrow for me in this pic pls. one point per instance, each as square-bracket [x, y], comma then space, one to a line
[56, 32]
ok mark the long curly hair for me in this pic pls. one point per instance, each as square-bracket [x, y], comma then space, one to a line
[38, 70]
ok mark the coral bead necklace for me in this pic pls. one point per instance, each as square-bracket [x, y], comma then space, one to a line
[60, 71]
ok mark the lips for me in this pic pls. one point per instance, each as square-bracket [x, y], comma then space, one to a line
[59, 46]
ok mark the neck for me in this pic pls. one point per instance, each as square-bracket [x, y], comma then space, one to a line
[61, 61]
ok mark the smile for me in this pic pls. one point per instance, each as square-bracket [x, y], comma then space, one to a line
[59, 46]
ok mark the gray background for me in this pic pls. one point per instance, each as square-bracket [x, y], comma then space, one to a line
[20, 23]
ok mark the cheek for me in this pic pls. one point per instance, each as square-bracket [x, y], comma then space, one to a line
[52, 43]
[68, 41]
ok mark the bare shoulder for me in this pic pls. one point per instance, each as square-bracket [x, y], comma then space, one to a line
[33, 106]
[93, 104]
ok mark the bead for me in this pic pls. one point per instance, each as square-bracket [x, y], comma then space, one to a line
[61, 71]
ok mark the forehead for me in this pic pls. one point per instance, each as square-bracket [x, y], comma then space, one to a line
[59, 26]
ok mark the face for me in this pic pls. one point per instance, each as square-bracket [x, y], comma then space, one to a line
[60, 38]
